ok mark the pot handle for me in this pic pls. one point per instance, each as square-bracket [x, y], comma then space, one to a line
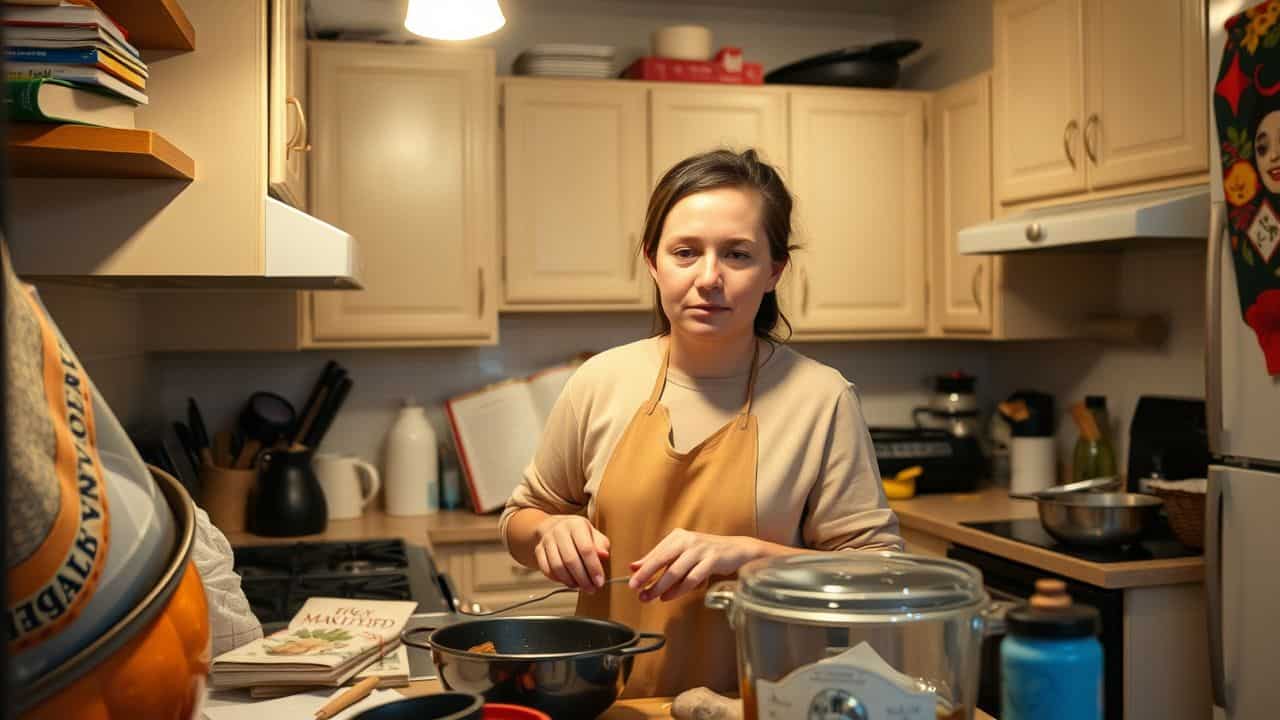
[406, 635]
[720, 595]
[993, 617]
[658, 641]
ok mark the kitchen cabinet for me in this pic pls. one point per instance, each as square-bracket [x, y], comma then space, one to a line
[403, 159]
[857, 166]
[687, 120]
[287, 136]
[960, 164]
[576, 186]
[1093, 95]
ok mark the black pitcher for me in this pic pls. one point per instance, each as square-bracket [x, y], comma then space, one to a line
[287, 499]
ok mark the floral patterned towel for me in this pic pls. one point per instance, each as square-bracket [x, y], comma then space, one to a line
[1246, 103]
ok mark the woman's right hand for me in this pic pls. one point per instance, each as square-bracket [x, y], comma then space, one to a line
[569, 551]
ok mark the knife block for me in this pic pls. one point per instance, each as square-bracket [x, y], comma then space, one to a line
[224, 494]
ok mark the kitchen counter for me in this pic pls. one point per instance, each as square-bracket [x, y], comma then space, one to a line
[635, 709]
[937, 515]
[941, 516]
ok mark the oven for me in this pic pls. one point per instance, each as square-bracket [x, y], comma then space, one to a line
[1015, 582]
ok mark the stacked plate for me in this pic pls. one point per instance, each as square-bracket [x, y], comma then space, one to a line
[566, 60]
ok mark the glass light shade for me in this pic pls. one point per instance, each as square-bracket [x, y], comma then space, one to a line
[453, 19]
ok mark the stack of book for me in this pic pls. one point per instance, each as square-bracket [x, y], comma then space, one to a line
[68, 62]
[329, 642]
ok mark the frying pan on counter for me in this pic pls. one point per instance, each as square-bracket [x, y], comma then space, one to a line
[874, 66]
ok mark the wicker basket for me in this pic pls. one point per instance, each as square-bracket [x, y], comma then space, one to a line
[1186, 514]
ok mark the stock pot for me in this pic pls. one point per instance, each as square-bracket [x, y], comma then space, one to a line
[853, 634]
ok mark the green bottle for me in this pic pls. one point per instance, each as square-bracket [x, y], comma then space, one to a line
[1094, 458]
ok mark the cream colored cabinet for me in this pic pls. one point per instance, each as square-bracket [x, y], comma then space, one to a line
[485, 574]
[1039, 98]
[403, 160]
[961, 171]
[1145, 89]
[857, 167]
[287, 141]
[688, 120]
[1097, 94]
[576, 186]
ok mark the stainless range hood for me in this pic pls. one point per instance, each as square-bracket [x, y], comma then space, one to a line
[1119, 221]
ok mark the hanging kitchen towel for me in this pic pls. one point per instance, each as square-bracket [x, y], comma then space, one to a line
[1246, 103]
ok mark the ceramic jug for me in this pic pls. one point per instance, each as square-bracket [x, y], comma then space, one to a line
[287, 499]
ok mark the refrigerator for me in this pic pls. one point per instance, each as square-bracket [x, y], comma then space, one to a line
[1242, 523]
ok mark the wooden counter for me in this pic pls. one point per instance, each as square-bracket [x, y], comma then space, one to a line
[935, 515]
[637, 709]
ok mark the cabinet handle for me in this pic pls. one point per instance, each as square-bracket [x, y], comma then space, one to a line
[481, 283]
[1035, 232]
[804, 292]
[635, 253]
[1066, 142]
[299, 140]
[1092, 122]
[977, 296]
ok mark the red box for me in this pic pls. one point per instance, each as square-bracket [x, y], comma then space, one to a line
[704, 71]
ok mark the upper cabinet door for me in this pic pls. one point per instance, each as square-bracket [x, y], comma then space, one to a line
[961, 168]
[1146, 90]
[1039, 99]
[403, 161]
[287, 141]
[858, 177]
[575, 194]
[688, 120]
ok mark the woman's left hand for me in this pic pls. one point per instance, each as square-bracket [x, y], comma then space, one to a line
[690, 559]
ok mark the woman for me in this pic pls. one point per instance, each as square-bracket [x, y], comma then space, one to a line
[681, 457]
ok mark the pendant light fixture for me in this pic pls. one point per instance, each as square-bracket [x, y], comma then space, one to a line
[453, 19]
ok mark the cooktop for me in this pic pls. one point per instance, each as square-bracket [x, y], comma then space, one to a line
[1158, 544]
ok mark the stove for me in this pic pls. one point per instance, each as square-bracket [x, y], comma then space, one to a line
[1158, 544]
[278, 579]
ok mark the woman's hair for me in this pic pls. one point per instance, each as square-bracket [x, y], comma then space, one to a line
[725, 169]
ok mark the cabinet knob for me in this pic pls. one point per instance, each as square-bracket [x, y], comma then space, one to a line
[1035, 232]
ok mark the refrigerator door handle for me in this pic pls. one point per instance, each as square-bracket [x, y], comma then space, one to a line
[1213, 587]
[1213, 327]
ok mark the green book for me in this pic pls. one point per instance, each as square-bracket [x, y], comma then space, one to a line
[50, 100]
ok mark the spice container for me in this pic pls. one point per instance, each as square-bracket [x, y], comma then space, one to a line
[1051, 660]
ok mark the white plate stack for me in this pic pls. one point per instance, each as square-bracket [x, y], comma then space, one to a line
[566, 60]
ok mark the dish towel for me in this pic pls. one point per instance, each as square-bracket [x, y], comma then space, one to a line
[1246, 105]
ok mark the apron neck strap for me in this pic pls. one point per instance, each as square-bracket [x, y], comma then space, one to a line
[652, 403]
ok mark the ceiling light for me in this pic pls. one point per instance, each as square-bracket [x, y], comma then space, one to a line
[453, 19]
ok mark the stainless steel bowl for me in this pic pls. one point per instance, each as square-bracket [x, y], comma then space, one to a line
[1098, 519]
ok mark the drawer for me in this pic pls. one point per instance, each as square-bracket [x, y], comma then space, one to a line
[493, 569]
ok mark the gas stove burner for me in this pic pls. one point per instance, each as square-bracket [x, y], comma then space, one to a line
[362, 567]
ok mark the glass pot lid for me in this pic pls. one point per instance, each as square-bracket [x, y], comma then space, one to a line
[860, 583]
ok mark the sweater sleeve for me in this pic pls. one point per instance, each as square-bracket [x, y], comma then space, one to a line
[554, 481]
[847, 508]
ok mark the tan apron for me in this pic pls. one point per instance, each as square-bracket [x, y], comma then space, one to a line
[647, 491]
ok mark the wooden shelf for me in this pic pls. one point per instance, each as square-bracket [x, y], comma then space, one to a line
[84, 151]
[152, 24]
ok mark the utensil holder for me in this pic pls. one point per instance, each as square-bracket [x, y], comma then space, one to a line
[224, 494]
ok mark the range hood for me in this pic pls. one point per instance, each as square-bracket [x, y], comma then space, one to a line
[305, 252]
[1119, 221]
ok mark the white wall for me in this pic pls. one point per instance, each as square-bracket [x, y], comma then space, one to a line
[772, 37]
[892, 377]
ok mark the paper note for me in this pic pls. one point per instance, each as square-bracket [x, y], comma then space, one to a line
[237, 705]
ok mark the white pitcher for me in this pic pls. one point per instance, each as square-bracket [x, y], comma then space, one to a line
[349, 483]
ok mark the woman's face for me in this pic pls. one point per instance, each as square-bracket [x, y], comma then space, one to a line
[1266, 151]
[713, 264]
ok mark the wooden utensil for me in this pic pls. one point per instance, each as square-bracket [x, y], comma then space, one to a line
[222, 454]
[355, 694]
[329, 377]
[324, 417]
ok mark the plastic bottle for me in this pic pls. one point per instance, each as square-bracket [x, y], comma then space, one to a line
[1093, 456]
[1051, 661]
[411, 485]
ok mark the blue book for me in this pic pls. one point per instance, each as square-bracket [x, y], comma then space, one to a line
[79, 56]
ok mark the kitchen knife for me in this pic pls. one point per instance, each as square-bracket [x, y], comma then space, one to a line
[324, 417]
[188, 444]
[199, 432]
[329, 377]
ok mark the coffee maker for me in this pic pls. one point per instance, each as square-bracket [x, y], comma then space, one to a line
[1168, 438]
[952, 407]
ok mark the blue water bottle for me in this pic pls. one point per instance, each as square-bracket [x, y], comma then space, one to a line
[1051, 663]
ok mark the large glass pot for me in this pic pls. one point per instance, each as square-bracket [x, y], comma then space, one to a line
[856, 635]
